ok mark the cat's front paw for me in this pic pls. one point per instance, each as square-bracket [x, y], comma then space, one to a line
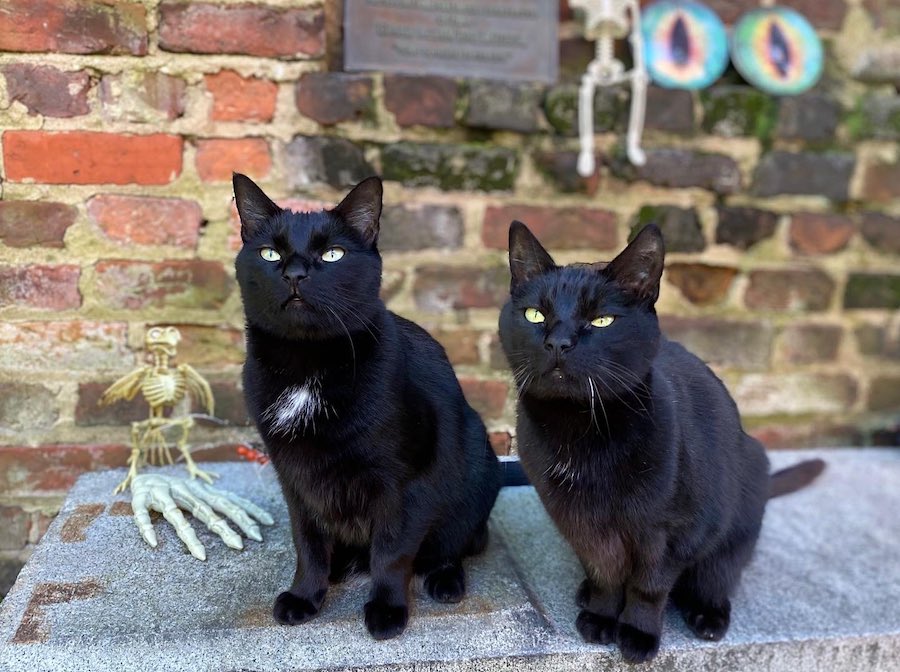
[290, 609]
[710, 623]
[596, 629]
[636, 646]
[385, 620]
[446, 584]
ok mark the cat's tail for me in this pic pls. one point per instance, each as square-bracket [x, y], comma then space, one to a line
[513, 474]
[793, 478]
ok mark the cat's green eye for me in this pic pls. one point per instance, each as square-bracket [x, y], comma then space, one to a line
[534, 316]
[333, 254]
[603, 321]
[269, 254]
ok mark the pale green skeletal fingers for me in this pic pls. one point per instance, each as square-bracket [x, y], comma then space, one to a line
[204, 513]
[220, 501]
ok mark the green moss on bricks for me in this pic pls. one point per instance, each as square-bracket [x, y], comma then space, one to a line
[739, 111]
[874, 116]
[872, 290]
[561, 109]
[451, 167]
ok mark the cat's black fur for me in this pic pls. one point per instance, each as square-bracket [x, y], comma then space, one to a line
[634, 446]
[383, 464]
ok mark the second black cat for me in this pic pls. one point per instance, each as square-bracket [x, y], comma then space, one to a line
[634, 446]
[383, 464]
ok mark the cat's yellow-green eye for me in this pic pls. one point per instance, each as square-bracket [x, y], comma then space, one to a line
[333, 254]
[534, 316]
[269, 254]
[603, 321]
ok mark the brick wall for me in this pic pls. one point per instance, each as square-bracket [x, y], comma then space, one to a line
[123, 119]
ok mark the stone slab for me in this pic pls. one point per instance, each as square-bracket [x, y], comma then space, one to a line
[823, 592]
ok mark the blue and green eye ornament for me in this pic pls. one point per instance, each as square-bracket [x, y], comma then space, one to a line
[776, 50]
[685, 44]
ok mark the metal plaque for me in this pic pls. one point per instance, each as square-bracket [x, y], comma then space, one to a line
[490, 39]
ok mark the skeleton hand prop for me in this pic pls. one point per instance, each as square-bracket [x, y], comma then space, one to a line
[166, 494]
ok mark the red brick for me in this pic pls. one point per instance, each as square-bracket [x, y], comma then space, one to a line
[35, 223]
[64, 346]
[53, 469]
[461, 344]
[130, 285]
[559, 167]
[422, 101]
[796, 289]
[333, 97]
[881, 231]
[218, 345]
[809, 343]
[881, 182]
[237, 98]
[785, 394]
[728, 343]
[46, 90]
[501, 442]
[744, 227]
[701, 283]
[230, 405]
[27, 407]
[252, 29]
[88, 413]
[47, 287]
[884, 394]
[218, 158]
[557, 228]
[73, 26]
[438, 289]
[143, 220]
[487, 397]
[81, 157]
[815, 233]
[142, 97]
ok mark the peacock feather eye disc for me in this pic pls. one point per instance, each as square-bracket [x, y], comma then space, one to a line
[685, 44]
[776, 50]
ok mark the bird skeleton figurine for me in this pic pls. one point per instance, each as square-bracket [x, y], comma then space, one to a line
[163, 386]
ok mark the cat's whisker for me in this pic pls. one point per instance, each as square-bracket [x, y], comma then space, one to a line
[349, 338]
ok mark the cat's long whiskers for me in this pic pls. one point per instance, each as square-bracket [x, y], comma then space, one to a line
[602, 407]
[349, 338]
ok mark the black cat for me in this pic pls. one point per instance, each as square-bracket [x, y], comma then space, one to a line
[383, 464]
[634, 446]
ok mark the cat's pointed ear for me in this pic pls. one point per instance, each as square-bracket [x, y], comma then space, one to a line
[361, 208]
[639, 267]
[527, 257]
[253, 206]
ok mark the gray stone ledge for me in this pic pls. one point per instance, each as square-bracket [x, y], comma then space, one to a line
[822, 594]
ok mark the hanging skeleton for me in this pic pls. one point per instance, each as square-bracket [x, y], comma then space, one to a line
[606, 21]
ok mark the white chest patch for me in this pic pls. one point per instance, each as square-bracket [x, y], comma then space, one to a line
[296, 408]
